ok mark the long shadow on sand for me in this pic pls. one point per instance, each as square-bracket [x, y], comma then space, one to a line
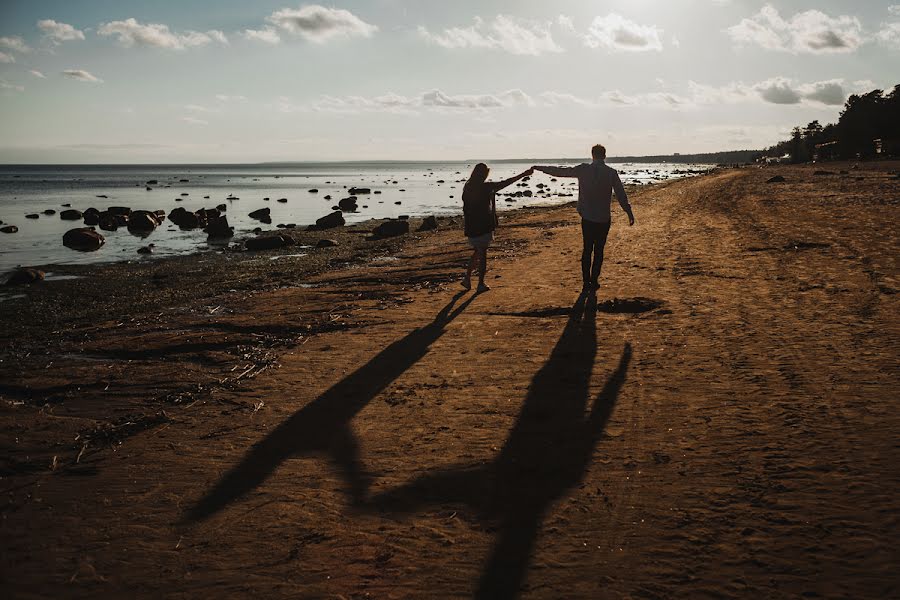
[547, 453]
[322, 427]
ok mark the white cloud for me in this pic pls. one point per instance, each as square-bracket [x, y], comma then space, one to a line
[777, 90]
[5, 85]
[7, 58]
[81, 75]
[15, 43]
[503, 33]
[57, 33]
[266, 35]
[615, 32]
[434, 100]
[194, 121]
[227, 98]
[811, 31]
[38, 74]
[894, 9]
[131, 33]
[319, 24]
[889, 35]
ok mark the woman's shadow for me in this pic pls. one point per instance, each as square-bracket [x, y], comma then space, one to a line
[548, 451]
[322, 427]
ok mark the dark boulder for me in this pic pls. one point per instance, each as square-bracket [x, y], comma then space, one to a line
[152, 182]
[313, 191]
[9, 229]
[143, 221]
[119, 210]
[70, 215]
[428, 224]
[218, 229]
[354, 191]
[326, 244]
[25, 275]
[282, 200]
[84, 239]
[267, 243]
[108, 222]
[220, 207]
[49, 211]
[348, 204]
[145, 249]
[329, 221]
[776, 179]
[186, 219]
[262, 213]
[391, 229]
[33, 216]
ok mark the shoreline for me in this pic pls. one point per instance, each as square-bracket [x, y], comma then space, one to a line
[319, 424]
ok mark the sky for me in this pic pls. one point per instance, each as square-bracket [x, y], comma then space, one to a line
[120, 81]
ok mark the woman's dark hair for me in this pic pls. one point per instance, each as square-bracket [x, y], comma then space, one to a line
[479, 173]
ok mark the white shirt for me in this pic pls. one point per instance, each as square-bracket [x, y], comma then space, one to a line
[596, 184]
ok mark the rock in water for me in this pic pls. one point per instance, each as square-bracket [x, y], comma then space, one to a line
[84, 239]
[119, 210]
[391, 229]
[776, 179]
[25, 275]
[329, 221]
[266, 243]
[143, 221]
[218, 229]
[49, 211]
[348, 204]
[428, 223]
[145, 249]
[326, 244]
[32, 216]
[70, 215]
[9, 229]
[357, 191]
[260, 214]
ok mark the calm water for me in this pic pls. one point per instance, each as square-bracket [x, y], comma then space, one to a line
[420, 189]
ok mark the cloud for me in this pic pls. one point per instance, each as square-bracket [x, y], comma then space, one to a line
[811, 31]
[131, 33]
[5, 85]
[15, 43]
[38, 74]
[777, 90]
[7, 58]
[81, 75]
[889, 34]
[227, 98]
[194, 121]
[57, 33]
[503, 33]
[318, 24]
[433, 100]
[266, 35]
[894, 9]
[617, 33]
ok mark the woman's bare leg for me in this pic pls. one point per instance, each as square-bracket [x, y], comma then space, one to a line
[467, 282]
[482, 270]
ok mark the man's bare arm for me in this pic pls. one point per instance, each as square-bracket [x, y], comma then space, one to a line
[558, 171]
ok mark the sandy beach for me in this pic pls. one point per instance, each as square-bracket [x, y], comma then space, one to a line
[350, 424]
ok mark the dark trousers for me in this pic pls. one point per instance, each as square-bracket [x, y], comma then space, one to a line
[594, 237]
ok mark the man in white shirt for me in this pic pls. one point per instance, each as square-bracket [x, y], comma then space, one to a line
[596, 184]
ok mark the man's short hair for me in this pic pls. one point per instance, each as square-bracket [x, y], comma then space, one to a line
[598, 151]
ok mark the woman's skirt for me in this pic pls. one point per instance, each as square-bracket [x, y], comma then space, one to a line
[481, 241]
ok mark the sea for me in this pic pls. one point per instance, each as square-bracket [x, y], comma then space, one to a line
[403, 188]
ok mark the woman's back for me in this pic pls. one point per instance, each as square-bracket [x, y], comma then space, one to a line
[479, 211]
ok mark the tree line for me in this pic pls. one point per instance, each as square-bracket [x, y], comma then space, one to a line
[865, 118]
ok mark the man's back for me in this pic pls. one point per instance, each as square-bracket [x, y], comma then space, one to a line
[596, 183]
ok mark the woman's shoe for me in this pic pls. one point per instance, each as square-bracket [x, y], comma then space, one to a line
[482, 287]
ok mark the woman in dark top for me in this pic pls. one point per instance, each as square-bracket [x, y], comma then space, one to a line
[480, 214]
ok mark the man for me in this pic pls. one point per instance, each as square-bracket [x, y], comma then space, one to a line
[596, 183]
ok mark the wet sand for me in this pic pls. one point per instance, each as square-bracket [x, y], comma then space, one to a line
[719, 423]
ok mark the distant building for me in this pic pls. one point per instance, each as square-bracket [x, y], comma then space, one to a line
[826, 151]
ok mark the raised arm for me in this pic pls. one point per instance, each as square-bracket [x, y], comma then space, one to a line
[622, 197]
[558, 171]
[499, 185]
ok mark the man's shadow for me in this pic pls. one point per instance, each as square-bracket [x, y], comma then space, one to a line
[548, 451]
[322, 427]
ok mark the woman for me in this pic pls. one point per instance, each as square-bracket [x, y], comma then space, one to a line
[480, 214]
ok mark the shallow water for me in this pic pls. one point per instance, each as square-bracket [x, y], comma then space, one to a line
[406, 189]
